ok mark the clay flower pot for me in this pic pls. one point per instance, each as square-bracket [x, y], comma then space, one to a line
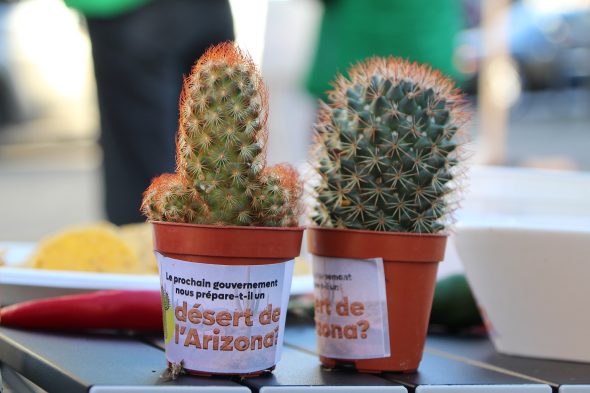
[224, 292]
[409, 267]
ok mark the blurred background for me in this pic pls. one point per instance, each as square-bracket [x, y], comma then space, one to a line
[525, 65]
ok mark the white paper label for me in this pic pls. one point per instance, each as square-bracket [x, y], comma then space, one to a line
[350, 308]
[224, 318]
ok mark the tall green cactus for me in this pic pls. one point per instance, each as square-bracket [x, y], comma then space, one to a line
[221, 148]
[387, 148]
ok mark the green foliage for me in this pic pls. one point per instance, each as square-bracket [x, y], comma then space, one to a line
[454, 307]
[387, 147]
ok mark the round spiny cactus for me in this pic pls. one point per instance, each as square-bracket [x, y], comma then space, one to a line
[221, 149]
[387, 147]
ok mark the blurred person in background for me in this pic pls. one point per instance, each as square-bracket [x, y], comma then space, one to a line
[352, 30]
[141, 50]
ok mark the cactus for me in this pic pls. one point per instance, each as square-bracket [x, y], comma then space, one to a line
[222, 178]
[169, 198]
[386, 147]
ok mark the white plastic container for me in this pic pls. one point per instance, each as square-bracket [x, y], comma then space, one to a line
[523, 238]
[533, 287]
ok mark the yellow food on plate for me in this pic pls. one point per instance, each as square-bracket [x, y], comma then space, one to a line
[301, 267]
[106, 248]
[139, 238]
[95, 248]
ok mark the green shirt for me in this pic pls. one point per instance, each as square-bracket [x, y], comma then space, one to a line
[352, 30]
[104, 8]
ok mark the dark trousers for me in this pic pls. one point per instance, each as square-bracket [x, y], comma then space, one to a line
[139, 62]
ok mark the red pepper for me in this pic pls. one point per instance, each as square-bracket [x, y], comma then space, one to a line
[120, 310]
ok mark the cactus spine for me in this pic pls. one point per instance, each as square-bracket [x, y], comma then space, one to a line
[222, 178]
[387, 147]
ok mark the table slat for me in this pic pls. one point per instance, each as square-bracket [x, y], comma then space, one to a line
[435, 369]
[298, 371]
[76, 363]
[480, 349]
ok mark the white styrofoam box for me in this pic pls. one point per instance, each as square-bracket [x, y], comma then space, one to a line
[522, 198]
[518, 192]
[523, 237]
[532, 286]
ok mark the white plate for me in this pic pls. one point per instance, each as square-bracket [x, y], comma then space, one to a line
[18, 283]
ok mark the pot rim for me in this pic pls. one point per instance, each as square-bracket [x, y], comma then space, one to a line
[363, 244]
[220, 227]
[378, 233]
[227, 245]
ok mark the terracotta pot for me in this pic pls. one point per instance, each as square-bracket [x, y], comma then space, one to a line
[227, 245]
[410, 264]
